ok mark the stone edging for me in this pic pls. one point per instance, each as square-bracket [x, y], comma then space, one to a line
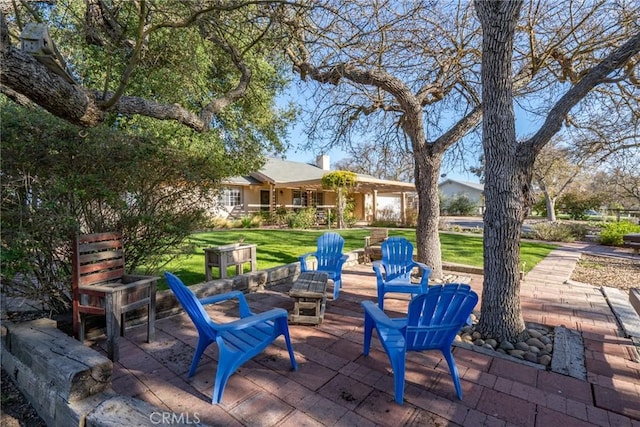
[66, 382]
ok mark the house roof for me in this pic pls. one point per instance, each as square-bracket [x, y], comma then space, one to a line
[286, 173]
[242, 180]
[278, 171]
[473, 185]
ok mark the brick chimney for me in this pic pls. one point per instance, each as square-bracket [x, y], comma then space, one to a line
[323, 162]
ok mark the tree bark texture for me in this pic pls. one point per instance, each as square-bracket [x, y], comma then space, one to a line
[506, 182]
[551, 207]
[25, 75]
[427, 172]
[22, 74]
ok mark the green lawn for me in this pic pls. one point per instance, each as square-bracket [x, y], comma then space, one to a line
[278, 247]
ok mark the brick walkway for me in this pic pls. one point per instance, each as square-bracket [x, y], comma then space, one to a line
[336, 385]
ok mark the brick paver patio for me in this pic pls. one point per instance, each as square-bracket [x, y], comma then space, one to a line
[336, 385]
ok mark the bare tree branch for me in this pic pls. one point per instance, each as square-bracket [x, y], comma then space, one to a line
[591, 79]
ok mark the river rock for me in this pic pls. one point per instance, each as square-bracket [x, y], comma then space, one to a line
[517, 353]
[545, 360]
[531, 357]
[506, 345]
[534, 333]
[535, 342]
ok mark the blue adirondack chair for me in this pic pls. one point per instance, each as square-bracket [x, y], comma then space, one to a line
[329, 258]
[238, 340]
[393, 271]
[432, 322]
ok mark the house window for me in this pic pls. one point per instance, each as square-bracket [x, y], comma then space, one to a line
[231, 197]
[317, 198]
[307, 198]
[299, 198]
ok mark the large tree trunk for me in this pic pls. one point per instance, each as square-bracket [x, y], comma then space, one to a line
[551, 207]
[427, 172]
[509, 164]
[505, 185]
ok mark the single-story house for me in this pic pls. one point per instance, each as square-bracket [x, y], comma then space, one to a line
[473, 191]
[293, 185]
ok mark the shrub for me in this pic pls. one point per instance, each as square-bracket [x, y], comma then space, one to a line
[251, 221]
[303, 218]
[443, 224]
[281, 216]
[540, 207]
[576, 204]
[612, 233]
[221, 223]
[57, 182]
[558, 231]
[460, 205]
[384, 224]
[388, 215]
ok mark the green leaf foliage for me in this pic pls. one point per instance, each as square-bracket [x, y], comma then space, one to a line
[152, 183]
[339, 179]
[184, 58]
[613, 232]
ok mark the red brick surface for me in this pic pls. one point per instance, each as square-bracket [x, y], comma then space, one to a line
[336, 385]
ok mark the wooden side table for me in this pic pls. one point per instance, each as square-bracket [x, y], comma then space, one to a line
[310, 298]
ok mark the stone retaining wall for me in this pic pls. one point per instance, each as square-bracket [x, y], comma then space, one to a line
[67, 383]
[168, 305]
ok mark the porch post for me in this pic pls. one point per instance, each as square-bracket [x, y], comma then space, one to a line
[272, 198]
[403, 207]
[375, 205]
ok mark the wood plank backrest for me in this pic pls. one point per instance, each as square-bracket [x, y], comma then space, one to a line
[98, 258]
[378, 235]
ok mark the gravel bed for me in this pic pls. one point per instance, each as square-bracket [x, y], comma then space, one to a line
[621, 273]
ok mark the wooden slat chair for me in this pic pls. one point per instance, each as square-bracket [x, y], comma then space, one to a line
[101, 287]
[432, 323]
[632, 240]
[372, 248]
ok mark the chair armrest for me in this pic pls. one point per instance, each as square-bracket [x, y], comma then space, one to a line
[341, 261]
[134, 278]
[379, 317]
[308, 254]
[245, 311]
[426, 272]
[254, 319]
[378, 268]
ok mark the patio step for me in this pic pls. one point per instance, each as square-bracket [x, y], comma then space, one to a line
[634, 299]
[623, 310]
